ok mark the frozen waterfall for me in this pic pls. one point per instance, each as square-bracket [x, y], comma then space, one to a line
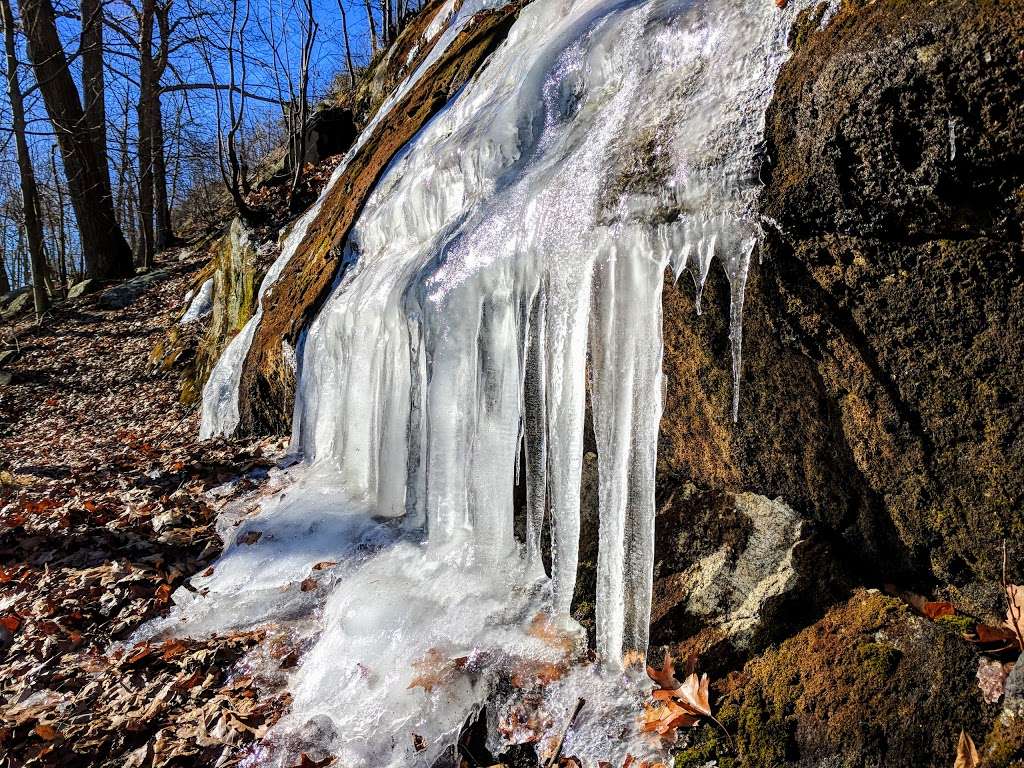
[506, 271]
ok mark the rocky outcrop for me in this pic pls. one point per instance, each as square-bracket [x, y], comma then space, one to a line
[881, 396]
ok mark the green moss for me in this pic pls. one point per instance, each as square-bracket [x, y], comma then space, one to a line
[1004, 745]
[878, 660]
[710, 746]
[763, 738]
[959, 625]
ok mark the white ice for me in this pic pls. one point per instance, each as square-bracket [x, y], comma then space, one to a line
[200, 305]
[506, 271]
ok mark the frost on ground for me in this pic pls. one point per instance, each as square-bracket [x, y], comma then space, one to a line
[525, 230]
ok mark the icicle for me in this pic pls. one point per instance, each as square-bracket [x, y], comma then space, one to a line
[535, 431]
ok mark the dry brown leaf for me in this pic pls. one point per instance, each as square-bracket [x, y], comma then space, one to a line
[172, 649]
[666, 676]
[308, 585]
[436, 669]
[936, 610]
[305, 761]
[324, 565]
[45, 732]
[987, 634]
[251, 537]
[543, 627]
[693, 694]
[418, 742]
[966, 752]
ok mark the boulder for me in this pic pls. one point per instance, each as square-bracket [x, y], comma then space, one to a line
[870, 684]
[83, 288]
[881, 393]
[21, 301]
[126, 293]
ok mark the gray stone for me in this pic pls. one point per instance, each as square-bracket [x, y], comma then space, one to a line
[20, 303]
[125, 294]
[82, 288]
[1013, 703]
[729, 587]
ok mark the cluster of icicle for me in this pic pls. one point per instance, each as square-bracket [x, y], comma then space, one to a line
[510, 261]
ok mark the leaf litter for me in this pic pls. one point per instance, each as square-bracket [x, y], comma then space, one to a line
[105, 508]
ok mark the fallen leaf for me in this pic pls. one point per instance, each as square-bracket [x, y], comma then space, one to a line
[966, 752]
[418, 743]
[10, 623]
[251, 537]
[308, 585]
[937, 610]
[324, 565]
[173, 648]
[693, 694]
[436, 669]
[666, 676]
[987, 634]
[305, 761]
[45, 732]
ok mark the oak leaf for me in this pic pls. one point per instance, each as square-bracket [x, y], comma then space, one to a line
[966, 752]
[666, 676]
[693, 694]
[45, 732]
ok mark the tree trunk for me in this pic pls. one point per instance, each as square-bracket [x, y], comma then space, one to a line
[104, 249]
[162, 209]
[29, 194]
[93, 90]
[348, 48]
[373, 27]
[5, 283]
[146, 128]
[62, 241]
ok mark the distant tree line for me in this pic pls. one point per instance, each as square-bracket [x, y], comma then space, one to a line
[120, 112]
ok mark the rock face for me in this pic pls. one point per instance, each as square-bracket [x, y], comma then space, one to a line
[882, 396]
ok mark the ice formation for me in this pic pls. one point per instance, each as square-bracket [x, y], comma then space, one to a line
[199, 305]
[509, 262]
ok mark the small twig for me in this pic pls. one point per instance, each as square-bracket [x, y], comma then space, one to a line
[561, 739]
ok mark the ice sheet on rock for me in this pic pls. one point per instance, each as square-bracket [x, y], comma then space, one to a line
[511, 257]
[220, 393]
[200, 305]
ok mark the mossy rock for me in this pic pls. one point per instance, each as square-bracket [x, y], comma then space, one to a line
[870, 684]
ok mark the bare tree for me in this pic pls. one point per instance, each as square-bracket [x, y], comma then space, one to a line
[104, 247]
[29, 192]
[348, 47]
[372, 24]
[300, 126]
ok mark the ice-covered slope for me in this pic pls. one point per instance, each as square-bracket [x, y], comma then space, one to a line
[511, 257]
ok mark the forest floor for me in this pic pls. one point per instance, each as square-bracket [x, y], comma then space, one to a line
[105, 509]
